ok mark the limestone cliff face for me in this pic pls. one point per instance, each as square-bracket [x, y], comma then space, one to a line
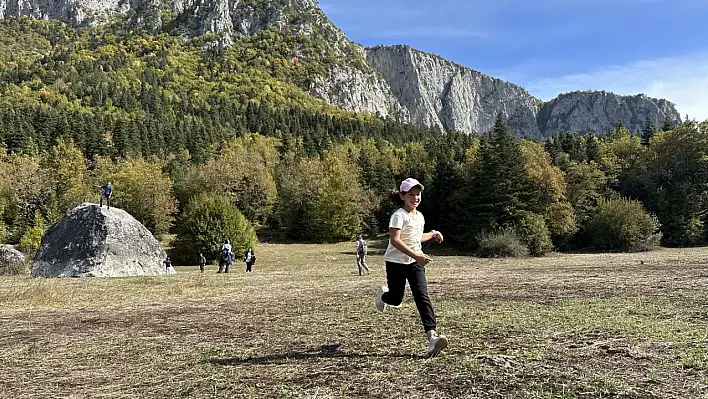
[232, 17]
[437, 92]
[583, 111]
[397, 81]
[359, 90]
[75, 12]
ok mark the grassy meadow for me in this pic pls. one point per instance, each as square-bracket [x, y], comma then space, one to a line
[304, 325]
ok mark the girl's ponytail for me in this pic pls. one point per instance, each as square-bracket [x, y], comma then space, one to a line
[396, 197]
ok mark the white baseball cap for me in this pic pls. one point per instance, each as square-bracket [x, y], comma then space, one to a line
[409, 183]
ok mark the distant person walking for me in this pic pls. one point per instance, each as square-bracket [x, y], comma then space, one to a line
[361, 251]
[202, 262]
[226, 258]
[250, 259]
[168, 266]
[405, 260]
[107, 192]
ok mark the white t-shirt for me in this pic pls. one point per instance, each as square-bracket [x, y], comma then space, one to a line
[411, 226]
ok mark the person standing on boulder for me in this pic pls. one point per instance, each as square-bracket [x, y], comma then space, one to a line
[202, 262]
[107, 192]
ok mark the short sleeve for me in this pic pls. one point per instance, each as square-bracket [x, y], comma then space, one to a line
[396, 221]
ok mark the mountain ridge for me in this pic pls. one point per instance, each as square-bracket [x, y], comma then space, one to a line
[399, 81]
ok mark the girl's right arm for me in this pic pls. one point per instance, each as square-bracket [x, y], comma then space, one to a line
[401, 246]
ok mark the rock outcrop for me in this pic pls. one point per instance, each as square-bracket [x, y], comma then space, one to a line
[396, 81]
[600, 111]
[12, 261]
[91, 241]
[437, 92]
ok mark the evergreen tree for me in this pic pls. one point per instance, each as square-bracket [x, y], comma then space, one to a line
[648, 132]
[499, 190]
[668, 125]
[592, 146]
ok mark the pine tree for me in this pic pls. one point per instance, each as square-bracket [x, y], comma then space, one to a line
[499, 189]
[668, 125]
[592, 145]
[648, 132]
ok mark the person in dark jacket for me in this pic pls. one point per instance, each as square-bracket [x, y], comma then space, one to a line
[107, 192]
[202, 262]
[250, 259]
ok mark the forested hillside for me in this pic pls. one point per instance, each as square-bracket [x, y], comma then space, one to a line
[180, 124]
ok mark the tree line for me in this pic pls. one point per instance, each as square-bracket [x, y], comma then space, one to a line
[628, 195]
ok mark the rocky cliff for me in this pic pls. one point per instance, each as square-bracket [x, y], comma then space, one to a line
[437, 92]
[583, 111]
[397, 81]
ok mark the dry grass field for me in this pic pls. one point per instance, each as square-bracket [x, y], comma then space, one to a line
[303, 325]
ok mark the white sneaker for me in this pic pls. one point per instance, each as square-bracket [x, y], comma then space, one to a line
[436, 345]
[380, 304]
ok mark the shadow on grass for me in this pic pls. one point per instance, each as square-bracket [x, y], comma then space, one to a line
[323, 352]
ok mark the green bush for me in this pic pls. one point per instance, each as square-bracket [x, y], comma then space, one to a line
[623, 225]
[533, 233]
[207, 221]
[693, 233]
[30, 241]
[502, 244]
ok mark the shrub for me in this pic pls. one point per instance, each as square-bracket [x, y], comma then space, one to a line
[623, 224]
[30, 241]
[533, 233]
[502, 244]
[207, 221]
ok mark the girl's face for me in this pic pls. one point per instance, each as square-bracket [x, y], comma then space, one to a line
[412, 198]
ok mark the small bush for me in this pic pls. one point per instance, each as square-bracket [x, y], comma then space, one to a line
[503, 244]
[30, 241]
[693, 233]
[533, 233]
[623, 225]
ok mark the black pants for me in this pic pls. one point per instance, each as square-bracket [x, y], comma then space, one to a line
[201, 268]
[108, 200]
[249, 265]
[224, 266]
[396, 276]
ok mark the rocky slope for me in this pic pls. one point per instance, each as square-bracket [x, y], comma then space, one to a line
[600, 111]
[396, 81]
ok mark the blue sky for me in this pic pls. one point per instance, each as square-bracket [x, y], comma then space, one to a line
[656, 47]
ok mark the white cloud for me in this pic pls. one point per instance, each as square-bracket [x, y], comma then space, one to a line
[682, 80]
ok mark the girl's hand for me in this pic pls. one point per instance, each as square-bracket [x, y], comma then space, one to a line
[437, 236]
[422, 258]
